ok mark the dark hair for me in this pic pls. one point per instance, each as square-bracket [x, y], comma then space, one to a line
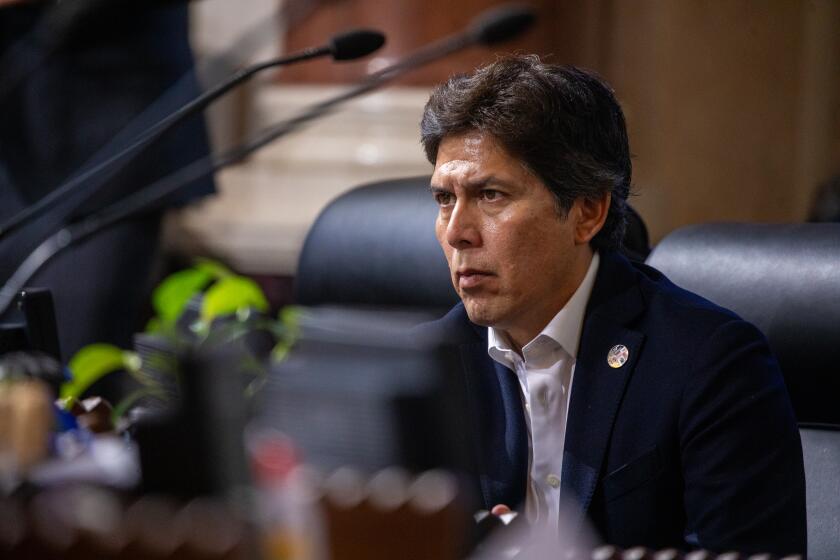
[562, 122]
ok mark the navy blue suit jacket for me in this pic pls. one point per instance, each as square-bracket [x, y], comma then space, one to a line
[692, 443]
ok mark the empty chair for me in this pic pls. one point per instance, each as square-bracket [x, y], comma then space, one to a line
[375, 246]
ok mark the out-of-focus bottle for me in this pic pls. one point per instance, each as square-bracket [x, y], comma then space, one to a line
[26, 421]
[288, 501]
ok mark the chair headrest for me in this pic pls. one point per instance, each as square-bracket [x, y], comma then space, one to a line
[375, 245]
[785, 279]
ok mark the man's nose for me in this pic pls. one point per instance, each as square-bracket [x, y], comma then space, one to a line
[463, 229]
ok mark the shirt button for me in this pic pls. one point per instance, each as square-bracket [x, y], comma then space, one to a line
[553, 480]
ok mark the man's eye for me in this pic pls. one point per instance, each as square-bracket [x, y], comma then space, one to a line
[444, 198]
[490, 194]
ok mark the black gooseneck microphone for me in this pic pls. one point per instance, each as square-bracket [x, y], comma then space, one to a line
[489, 28]
[345, 46]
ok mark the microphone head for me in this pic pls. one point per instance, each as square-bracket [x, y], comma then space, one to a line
[355, 44]
[502, 23]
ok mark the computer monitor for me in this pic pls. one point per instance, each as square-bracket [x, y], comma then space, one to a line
[360, 389]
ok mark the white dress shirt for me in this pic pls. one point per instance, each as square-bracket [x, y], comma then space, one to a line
[545, 371]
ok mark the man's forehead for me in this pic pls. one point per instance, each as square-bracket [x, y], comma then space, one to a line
[466, 156]
[474, 142]
[474, 159]
[469, 144]
[464, 170]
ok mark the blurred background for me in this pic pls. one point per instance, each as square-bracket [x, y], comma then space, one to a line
[733, 109]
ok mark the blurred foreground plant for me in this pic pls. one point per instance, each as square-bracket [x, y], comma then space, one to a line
[206, 304]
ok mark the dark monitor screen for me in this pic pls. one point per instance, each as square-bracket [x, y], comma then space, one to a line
[358, 389]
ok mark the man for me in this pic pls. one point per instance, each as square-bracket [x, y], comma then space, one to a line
[661, 416]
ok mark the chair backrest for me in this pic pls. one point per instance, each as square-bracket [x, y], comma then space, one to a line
[375, 246]
[821, 450]
[785, 279]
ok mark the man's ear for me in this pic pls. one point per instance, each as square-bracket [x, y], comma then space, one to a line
[591, 215]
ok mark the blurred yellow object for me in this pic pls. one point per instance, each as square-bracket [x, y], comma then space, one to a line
[26, 418]
[279, 544]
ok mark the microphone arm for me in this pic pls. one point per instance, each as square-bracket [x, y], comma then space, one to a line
[491, 27]
[346, 46]
[488, 28]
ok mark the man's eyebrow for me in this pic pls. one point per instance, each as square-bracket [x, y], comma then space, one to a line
[477, 184]
[488, 181]
[493, 180]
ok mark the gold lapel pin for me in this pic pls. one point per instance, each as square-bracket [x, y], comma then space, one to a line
[617, 356]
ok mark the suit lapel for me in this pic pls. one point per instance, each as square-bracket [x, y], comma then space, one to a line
[501, 445]
[598, 388]
[495, 406]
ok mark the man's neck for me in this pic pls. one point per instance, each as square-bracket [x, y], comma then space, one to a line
[520, 335]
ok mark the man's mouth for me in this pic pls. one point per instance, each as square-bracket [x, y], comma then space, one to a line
[471, 278]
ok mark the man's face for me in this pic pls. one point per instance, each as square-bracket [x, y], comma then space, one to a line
[513, 259]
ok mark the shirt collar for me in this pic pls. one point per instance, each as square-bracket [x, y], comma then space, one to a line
[564, 328]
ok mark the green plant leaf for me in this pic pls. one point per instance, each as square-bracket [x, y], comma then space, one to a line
[172, 295]
[154, 326]
[215, 269]
[66, 403]
[92, 363]
[290, 316]
[287, 333]
[230, 294]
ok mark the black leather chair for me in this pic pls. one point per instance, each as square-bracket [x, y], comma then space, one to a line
[786, 280]
[821, 446]
[375, 246]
